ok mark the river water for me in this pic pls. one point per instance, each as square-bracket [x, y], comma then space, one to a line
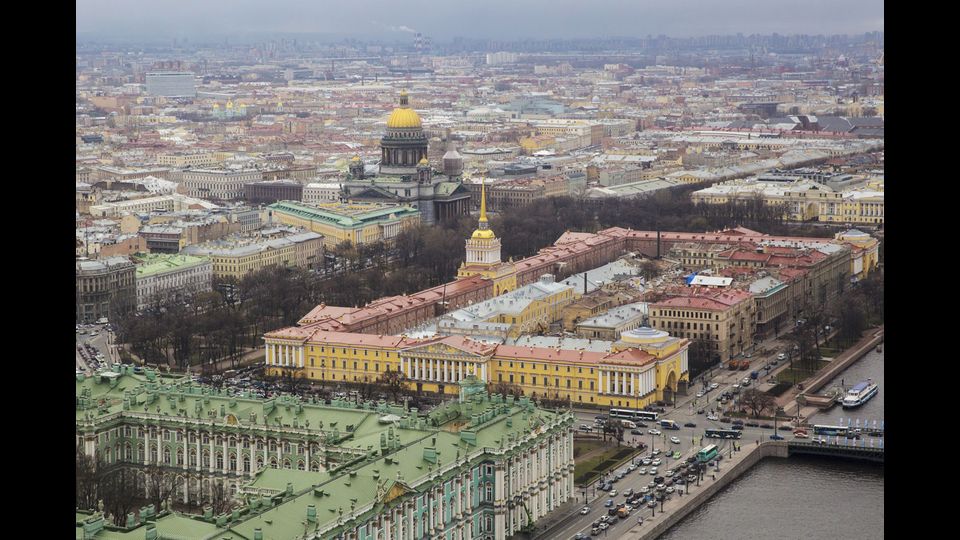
[802, 496]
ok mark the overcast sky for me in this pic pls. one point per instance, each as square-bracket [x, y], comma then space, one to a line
[497, 19]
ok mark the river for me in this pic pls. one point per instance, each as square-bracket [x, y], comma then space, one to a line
[802, 496]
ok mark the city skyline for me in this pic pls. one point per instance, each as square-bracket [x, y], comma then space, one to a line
[496, 19]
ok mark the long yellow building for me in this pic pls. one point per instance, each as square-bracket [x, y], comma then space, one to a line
[645, 366]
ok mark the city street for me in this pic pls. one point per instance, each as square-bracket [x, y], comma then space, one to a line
[102, 343]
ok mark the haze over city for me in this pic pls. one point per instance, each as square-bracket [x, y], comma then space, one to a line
[388, 20]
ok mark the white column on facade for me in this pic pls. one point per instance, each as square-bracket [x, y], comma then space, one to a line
[616, 383]
[633, 386]
[460, 365]
[446, 371]
[416, 367]
[302, 350]
[483, 372]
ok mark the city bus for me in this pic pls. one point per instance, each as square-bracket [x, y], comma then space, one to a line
[829, 430]
[633, 414]
[713, 433]
[669, 424]
[707, 453]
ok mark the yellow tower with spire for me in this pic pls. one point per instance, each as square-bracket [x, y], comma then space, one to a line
[483, 254]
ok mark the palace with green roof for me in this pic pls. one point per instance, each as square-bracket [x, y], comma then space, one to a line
[360, 223]
[482, 466]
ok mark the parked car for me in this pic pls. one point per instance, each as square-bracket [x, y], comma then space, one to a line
[782, 356]
[640, 424]
[752, 424]
[609, 503]
[653, 431]
[766, 426]
[636, 432]
[699, 394]
[585, 510]
[700, 411]
[675, 440]
[689, 424]
[725, 420]
[785, 428]
[655, 452]
[776, 437]
[714, 386]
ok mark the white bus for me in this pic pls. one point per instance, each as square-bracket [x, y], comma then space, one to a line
[633, 414]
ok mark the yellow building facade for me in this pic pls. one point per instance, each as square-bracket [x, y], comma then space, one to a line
[646, 365]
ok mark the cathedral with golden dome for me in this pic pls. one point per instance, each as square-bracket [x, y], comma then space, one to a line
[405, 174]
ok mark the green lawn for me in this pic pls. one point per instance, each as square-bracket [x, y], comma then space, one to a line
[585, 471]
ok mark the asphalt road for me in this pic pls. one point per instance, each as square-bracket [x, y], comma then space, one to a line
[103, 343]
[690, 443]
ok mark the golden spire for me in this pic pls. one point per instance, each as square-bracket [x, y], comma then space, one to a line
[483, 201]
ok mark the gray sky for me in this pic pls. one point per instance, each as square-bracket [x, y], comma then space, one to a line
[497, 19]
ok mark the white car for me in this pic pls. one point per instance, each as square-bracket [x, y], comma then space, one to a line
[653, 471]
[675, 440]
[653, 431]
[642, 470]
[714, 386]
[585, 510]
[712, 417]
[782, 356]
[657, 462]
[646, 461]
[699, 394]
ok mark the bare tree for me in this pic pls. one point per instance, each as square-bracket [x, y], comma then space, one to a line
[393, 383]
[119, 494]
[757, 401]
[614, 428]
[88, 481]
[219, 500]
[159, 485]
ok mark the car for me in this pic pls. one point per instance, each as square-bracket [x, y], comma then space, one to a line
[653, 431]
[611, 519]
[647, 461]
[645, 490]
[652, 484]
[595, 531]
[820, 440]
[691, 478]
[657, 462]
[676, 455]
[585, 510]
[670, 473]
[604, 526]
[620, 475]
[776, 437]
[752, 424]
[736, 386]
[713, 417]
[640, 424]
[675, 440]
[767, 368]
[699, 394]
[636, 432]
[738, 427]
[785, 428]
[579, 536]
[701, 411]
[725, 420]
[720, 398]
[745, 384]
[628, 493]
[600, 417]
[613, 493]
[655, 452]
[782, 356]
[609, 503]
[653, 471]
[584, 427]
[670, 489]
[652, 504]
[800, 434]
[632, 467]
[766, 426]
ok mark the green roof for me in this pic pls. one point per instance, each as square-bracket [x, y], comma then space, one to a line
[365, 469]
[352, 215]
[158, 263]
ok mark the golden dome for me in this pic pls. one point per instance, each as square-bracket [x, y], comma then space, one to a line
[355, 158]
[483, 234]
[403, 116]
[423, 161]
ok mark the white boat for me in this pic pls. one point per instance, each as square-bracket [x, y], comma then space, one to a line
[860, 394]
